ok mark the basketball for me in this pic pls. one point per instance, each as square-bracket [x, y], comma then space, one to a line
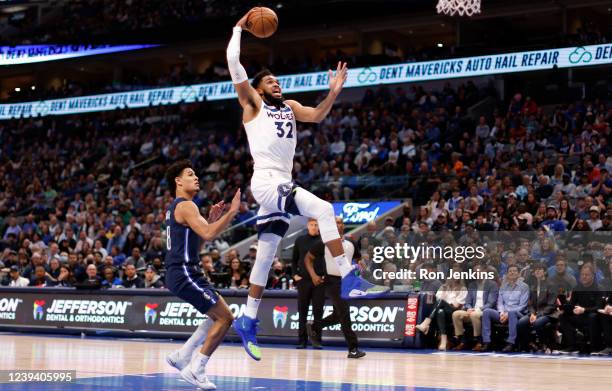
[262, 22]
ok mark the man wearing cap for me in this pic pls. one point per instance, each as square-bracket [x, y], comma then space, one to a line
[552, 222]
[152, 279]
[15, 279]
[594, 221]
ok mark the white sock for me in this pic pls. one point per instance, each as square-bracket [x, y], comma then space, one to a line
[343, 264]
[197, 339]
[198, 361]
[252, 307]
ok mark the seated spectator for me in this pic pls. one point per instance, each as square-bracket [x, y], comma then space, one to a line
[110, 279]
[450, 298]
[137, 260]
[561, 281]
[605, 321]
[65, 278]
[16, 280]
[92, 281]
[482, 294]
[580, 312]
[130, 278]
[41, 279]
[511, 306]
[152, 279]
[278, 278]
[54, 268]
[237, 276]
[541, 307]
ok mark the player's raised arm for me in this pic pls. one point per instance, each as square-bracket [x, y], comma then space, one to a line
[317, 114]
[248, 97]
[188, 213]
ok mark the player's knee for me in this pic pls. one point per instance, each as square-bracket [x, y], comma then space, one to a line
[225, 317]
[327, 210]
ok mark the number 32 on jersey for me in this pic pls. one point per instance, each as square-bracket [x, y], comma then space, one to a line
[284, 129]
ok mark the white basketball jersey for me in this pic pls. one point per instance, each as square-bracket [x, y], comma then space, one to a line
[272, 138]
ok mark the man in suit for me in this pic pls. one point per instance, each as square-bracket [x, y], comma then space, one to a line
[307, 291]
[330, 280]
[482, 294]
[542, 298]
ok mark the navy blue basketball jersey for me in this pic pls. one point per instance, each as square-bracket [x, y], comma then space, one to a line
[181, 242]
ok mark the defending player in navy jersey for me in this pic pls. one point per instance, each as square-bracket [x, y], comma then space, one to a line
[270, 124]
[184, 229]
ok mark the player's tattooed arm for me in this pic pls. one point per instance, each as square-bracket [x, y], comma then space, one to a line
[317, 114]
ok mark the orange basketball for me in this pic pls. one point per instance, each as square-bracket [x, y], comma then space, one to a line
[262, 22]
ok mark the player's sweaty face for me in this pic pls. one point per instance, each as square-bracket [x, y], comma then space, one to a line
[270, 85]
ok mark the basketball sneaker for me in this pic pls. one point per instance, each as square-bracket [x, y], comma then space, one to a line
[198, 378]
[355, 287]
[175, 360]
[246, 328]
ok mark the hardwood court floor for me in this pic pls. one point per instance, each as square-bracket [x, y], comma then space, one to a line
[113, 364]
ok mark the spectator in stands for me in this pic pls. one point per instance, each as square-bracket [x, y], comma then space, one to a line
[130, 278]
[541, 307]
[511, 306]
[110, 279]
[449, 298]
[136, 259]
[561, 279]
[93, 280]
[65, 278]
[580, 312]
[237, 276]
[15, 279]
[278, 278]
[152, 279]
[206, 263]
[40, 279]
[594, 220]
[482, 294]
[12, 229]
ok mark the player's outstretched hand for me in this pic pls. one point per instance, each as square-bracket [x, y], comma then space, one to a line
[235, 202]
[243, 21]
[216, 211]
[337, 79]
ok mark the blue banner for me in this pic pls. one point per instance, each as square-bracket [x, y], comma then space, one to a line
[316, 81]
[362, 212]
[26, 54]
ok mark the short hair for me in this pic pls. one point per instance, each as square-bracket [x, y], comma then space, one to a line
[259, 77]
[513, 267]
[174, 171]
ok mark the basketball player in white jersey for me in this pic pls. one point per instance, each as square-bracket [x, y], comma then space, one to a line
[269, 121]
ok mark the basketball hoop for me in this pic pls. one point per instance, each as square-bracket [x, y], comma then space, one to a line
[461, 7]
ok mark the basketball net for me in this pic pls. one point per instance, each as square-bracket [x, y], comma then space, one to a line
[461, 7]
